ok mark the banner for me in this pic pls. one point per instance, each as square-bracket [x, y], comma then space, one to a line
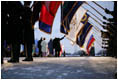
[68, 9]
[81, 38]
[89, 44]
[88, 41]
[47, 15]
[84, 47]
[77, 24]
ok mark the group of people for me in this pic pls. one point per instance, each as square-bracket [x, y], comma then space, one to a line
[17, 22]
[52, 47]
[16, 27]
[42, 45]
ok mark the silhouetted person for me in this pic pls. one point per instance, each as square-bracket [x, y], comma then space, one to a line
[39, 46]
[64, 54]
[11, 21]
[3, 27]
[57, 46]
[50, 46]
[36, 10]
[92, 51]
[28, 31]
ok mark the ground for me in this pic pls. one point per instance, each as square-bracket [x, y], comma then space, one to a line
[61, 68]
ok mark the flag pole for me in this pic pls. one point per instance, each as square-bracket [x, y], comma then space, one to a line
[94, 15]
[97, 34]
[96, 21]
[98, 5]
[95, 31]
[98, 38]
[98, 41]
[94, 9]
[96, 28]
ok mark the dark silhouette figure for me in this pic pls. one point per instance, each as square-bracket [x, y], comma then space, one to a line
[50, 47]
[57, 46]
[39, 46]
[92, 51]
[36, 10]
[28, 33]
[11, 27]
[4, 21]
[16, 27]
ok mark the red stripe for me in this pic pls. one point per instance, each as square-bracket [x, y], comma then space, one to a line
[54, 6]
[92, 40]
[45, 16]
[48, 12]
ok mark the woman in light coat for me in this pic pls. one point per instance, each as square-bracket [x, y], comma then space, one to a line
[44, 47]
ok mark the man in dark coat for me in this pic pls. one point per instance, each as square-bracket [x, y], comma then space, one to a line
[50, 47]
[57, 46]
[11, 28]
[3, 27]
[36, 10]
[28, 31]
[39, 46]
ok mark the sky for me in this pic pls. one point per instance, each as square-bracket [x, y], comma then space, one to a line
[69, 48]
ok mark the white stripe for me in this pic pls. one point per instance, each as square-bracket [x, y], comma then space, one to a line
[86, 40]
[76, 25]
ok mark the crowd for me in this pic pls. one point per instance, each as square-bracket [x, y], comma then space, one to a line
[16, 29]
[52, 48]
[17, 21]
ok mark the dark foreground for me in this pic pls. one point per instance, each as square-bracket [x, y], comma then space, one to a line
[61, 68]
